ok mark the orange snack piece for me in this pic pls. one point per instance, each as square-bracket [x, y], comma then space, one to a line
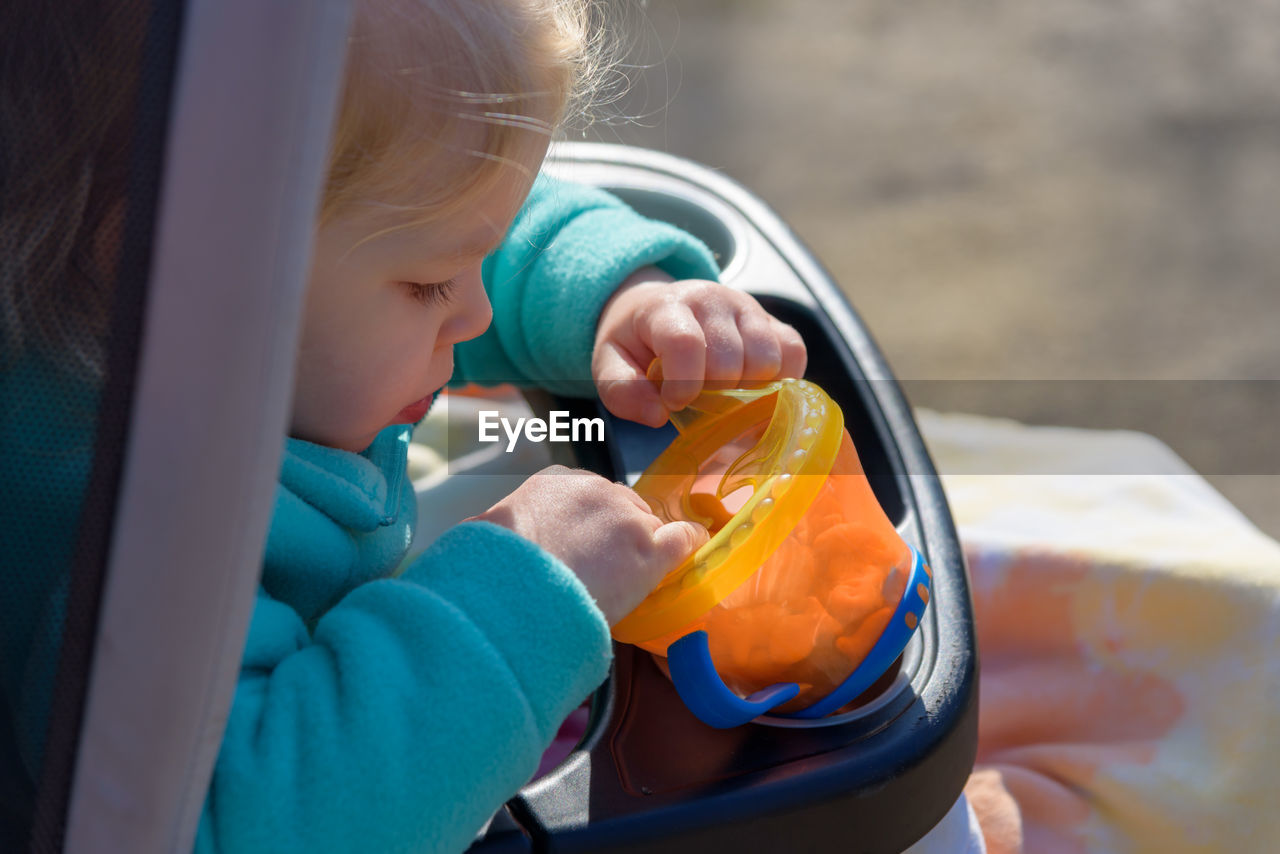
[706, 505]
[854, 601]
[856, 645]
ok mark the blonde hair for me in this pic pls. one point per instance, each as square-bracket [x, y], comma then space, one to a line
[441, 94]
[425, 78]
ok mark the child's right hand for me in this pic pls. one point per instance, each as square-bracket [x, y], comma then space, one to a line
[601, 530]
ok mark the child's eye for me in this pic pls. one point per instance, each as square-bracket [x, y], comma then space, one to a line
[434, 293]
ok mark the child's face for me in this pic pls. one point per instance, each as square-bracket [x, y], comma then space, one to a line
[381, 317]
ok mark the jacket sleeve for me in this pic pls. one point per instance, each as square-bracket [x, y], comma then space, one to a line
[412, 710]
[566, 252]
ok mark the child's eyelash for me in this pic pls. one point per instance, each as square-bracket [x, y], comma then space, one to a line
[435, 293]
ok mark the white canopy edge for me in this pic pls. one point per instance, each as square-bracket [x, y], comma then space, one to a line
[255, 94]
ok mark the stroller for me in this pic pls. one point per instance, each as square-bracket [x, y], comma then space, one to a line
[201, 364]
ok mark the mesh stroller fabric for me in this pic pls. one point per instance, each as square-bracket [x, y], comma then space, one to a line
[84, 95]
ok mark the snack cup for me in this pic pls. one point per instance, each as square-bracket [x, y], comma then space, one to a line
[805, 594]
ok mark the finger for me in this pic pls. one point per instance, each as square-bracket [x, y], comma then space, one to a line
[761, 349]
[673, 334]
[675, 541]
[724, 356]
[795, 357]
[623, 389]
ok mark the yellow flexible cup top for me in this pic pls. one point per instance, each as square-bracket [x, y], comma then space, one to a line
[801, 430]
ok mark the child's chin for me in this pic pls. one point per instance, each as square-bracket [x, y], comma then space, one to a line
[355, 446]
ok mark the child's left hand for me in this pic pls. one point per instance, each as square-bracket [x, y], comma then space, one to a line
[705, 333]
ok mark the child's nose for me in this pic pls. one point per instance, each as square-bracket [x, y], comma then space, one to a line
[470, 312]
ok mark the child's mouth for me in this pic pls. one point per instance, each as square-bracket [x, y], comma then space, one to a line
[414, 412]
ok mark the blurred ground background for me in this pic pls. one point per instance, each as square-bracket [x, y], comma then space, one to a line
[1015, 195]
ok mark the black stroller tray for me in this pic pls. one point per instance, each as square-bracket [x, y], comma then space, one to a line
[649, 775]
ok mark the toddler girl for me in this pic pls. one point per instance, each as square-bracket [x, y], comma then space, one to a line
[379, 713]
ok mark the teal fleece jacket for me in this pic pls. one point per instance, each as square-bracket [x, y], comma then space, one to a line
[377, 713]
